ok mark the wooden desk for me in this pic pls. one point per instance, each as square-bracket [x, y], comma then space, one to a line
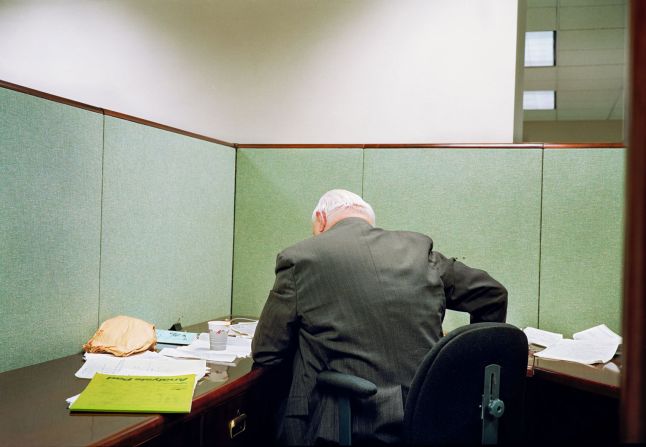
[564, 402]
[572, 403]
[33, 411]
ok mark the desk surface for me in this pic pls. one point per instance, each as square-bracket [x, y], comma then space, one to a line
[33, 410]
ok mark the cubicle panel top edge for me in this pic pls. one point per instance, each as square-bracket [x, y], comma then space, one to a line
[149, 123]
[71, 102]
[456, 146]
[615, 145]
[394, 146]
[49, 96]
[300, 146]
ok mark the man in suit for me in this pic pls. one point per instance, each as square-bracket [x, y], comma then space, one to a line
[361, 300]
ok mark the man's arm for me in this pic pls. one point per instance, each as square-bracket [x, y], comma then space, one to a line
[277, 330]
[471, 290]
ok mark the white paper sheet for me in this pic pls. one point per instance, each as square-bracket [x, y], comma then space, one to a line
[244, 329]
[237, 347]
[241, 346]
[152, 364]
[580, 351]
[599, 334]
[70, 400]
[542, 338]
[204, 354]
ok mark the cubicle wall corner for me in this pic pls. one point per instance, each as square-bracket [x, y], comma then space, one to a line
[167, 239]
[276, 191]
[101, 216]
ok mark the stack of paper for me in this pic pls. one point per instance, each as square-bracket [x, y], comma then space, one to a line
[237, 347]
[145, 364]
[595, 345]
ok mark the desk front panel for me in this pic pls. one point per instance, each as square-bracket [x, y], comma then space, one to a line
[569, 402]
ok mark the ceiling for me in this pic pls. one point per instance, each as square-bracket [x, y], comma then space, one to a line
[590, 58]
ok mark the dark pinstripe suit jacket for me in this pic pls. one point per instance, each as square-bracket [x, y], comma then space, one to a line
[364, 301]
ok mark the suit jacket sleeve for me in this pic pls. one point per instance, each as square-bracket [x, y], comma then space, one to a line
[275, 336]
[471, 290]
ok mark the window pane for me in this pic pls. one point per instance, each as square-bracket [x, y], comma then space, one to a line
[539, 100]
[539, 49]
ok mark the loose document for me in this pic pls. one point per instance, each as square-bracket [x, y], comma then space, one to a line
[595, 345]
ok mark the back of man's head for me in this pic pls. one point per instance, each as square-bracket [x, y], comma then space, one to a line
[337, 201]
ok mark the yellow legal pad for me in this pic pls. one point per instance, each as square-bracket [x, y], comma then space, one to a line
[137, 394]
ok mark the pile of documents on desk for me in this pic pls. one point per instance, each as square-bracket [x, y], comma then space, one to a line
[125, 379]
[598, 344]
[145, 364]
[161, 382]
[238, 346]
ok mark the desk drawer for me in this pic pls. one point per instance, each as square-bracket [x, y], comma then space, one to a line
[238, 421]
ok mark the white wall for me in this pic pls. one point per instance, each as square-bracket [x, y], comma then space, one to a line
[280, 71]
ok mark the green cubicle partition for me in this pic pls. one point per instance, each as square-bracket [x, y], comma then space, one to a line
[50, 220]
[102, 217]
[545, 222]
[276, 192]
[481, 206]
[167, 238]
[582, 239]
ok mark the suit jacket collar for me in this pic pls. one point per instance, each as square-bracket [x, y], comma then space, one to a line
[349, 221]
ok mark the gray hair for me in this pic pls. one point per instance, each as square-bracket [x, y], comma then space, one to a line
[338, 199]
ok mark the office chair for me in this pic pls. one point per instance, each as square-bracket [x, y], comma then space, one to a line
[469, 389]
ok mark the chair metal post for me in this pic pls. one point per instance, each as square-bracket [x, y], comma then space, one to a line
[345, 421]
[345, 387]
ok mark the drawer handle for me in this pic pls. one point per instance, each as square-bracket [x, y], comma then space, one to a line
[237, 425]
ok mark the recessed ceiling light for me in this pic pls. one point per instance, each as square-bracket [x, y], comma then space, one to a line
[539, 100]
[539, 49]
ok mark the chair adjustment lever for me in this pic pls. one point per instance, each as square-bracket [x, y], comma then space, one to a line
[492, 407]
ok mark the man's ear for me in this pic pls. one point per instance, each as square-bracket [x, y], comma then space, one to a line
[321, 221]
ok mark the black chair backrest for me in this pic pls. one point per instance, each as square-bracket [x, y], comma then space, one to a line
[444, 403]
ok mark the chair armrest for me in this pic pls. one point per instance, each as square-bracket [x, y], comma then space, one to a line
[346, 383]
